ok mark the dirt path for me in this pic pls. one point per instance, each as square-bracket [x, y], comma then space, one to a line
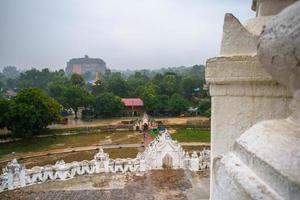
[181, 120]
[114, 121]
[72, 123]
[194, 143]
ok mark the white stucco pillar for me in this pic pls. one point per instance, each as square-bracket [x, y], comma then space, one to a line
[106, 166]
[248, 151]
[97, 166]
[16, 174]
[10, 180]
[243, 92]
[142, 165]
[194, 162]
[23, 177]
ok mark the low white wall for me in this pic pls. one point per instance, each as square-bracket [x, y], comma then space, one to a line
[15, 175]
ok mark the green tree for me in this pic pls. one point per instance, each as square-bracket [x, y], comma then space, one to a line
[136, 80]
[117, 85]
[11, 84]
[57, 91]
[161, 103]
[188, 84]
[178, 104]
[31, 111]
[3, 111]
[107, 104]
[148, 93]
[204, 107]
[59, 77]
[1, 86]
[77, 80]
[89, 101]
[170, 84]
[41, 79]
[157, 80]
[58, 85]
[10, 72]
[98, 88]
[35, 78]
[75, 97]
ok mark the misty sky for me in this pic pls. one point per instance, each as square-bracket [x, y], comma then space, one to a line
[132, 34]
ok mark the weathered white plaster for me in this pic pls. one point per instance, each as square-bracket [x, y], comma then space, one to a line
[15, 175]
[235, 181]
[270, 7]
[242, 39]
[256, 153]
[271, 149]
[236, 38]
[243, 93]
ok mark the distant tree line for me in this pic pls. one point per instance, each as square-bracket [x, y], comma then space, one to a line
[164, 92]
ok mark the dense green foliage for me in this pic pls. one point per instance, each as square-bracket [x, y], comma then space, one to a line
[10, 72]
[116, 84]
[204, 107]
[29, 112]
[107, 104]
[36, 78]
[75, 97]
[178, 104]
[77, 80]
[169, 91]
[3, 110]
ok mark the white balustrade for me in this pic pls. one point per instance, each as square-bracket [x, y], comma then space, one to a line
[15, 175]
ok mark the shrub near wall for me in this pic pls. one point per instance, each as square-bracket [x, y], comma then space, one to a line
[31, 111]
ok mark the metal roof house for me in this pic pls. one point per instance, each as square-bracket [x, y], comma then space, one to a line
[133, 106]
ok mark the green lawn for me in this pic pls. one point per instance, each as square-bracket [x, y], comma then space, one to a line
[191, 135]
[58, 142]
[31, 145]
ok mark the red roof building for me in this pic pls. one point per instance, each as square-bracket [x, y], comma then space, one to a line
[133, 102]
[9, 94]
[133, 106]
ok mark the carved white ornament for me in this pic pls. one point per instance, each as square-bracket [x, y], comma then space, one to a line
[16, 175]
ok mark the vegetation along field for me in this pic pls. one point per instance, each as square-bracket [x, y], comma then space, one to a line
[191, 135]
[60, 142]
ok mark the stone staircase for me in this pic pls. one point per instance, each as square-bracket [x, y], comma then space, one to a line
[262, 164]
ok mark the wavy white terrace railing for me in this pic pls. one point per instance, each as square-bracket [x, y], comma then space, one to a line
[15, 175]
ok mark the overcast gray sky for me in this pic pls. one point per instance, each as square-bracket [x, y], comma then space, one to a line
[125, 33]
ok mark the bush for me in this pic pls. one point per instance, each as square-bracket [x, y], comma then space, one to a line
[191, 135]
[31, 111]
[204, 107]
[178, 104]
[3, 110]
[107, 104]
[207, 113]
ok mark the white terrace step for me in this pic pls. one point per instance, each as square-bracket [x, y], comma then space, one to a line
[271, 150]
[235, 181]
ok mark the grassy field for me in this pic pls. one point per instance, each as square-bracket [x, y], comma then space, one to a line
[25, 147]
[59, 142]
[191, 135]
[77, 156]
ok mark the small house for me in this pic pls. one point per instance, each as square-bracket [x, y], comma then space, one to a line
[133, 106]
